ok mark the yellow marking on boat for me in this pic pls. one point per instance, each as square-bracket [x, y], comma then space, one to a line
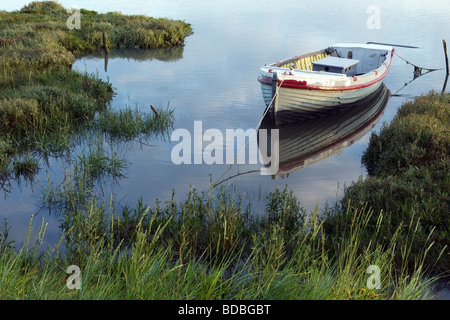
[305, 63]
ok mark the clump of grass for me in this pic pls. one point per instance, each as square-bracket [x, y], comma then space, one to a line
[45, 115]
[96, 164]
[18, 115]
[43, 7]
[5, 243]
[45, 120]
[130, 124]
[5, 152]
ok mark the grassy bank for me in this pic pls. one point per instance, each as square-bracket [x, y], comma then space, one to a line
[44, 104]
[209, 247]
[409, 183]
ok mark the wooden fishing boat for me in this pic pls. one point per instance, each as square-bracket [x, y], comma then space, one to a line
[315, 83]
[309, 141]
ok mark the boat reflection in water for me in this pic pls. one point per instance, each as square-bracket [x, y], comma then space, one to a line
[305, 142]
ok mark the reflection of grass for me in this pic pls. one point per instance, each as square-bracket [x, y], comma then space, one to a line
[96, 164]
[27, 166]
[78, 187]
[209, 247]
[166, 54]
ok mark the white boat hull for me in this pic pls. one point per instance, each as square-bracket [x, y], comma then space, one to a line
[293, 85]
[313, 102]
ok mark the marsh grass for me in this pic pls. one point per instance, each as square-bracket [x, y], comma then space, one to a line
[124, 31]
[166, 252]
[44, 104]
[131, 124]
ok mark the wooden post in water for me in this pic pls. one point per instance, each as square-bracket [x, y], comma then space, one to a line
[445, 85]
[446, 54]
[446, 63]
[106, 61]
[105, 42]
[105, 47]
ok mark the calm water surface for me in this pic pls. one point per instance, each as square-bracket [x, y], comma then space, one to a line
[213, 79]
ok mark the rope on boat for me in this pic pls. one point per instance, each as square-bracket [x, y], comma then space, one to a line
[417, 72]
[416, 68]
[218, 181]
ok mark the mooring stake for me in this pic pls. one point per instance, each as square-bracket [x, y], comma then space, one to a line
[445, 85]
[446, 54]
[105, 42]
[106, 61]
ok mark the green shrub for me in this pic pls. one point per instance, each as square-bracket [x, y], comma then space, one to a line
[418, 136]
[43, 7]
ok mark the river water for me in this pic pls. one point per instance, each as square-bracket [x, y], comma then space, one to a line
[212, 79]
